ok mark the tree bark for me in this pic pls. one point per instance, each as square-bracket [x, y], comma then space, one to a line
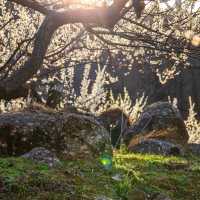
[15, 86]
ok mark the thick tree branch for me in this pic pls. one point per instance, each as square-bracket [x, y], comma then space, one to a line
[106, 17]
[32, 4]
[100, 16]
[14, 83]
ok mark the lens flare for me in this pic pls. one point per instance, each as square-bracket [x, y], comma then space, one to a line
[106, 161]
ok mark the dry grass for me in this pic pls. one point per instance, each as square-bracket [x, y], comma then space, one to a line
[193, 124]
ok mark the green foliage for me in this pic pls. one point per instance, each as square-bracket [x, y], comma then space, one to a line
[123, 187]
[86, 179]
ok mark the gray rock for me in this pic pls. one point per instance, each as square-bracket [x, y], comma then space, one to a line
[66, 133]
[42, 155]
[194, 149]
[159, 121]
[102, 198]
[153, 146]
[137, 194]
[162, 197]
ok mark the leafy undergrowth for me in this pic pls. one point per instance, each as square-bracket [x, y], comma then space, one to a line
[85, 179]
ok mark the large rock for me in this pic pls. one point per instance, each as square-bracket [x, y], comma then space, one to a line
[194, 149]
[159, 121]
[153, 146]
[61, 132]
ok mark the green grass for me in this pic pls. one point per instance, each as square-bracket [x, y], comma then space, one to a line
[87, 179]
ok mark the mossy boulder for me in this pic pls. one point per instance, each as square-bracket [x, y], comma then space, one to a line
[61, 132]
[160, 121]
